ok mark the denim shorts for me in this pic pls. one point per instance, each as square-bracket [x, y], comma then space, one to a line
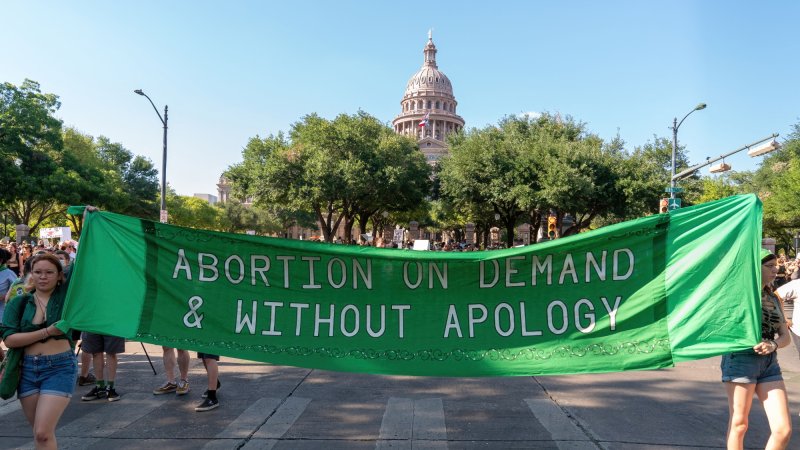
[48, 374]
[750, 368]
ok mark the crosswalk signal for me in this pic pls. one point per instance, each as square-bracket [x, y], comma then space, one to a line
[551, 227]
[663, 205]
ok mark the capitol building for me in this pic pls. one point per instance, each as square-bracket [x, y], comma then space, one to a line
[428, 108]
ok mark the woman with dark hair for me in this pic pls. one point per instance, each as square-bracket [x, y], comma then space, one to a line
[49, 366]
[755, 371]
[26, 253]
[14, 262]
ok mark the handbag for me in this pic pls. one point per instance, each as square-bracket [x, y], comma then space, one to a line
[10, 372]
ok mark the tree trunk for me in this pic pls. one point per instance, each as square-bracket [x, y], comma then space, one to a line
[536, 223]
[323, 225]
[510, 232]
[348, 229]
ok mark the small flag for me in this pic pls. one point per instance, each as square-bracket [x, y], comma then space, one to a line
[425, 119]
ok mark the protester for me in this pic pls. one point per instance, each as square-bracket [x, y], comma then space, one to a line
[756, 371]
[18, 287]
[49, 366]
[63, 257]
[104, 350]
[782, 276]
[14, 262]
[210, 400]
[7, 278]
[72, 249]
[170, 386]
[26, 253]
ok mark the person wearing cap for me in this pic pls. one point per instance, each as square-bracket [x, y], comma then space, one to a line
[755, 371]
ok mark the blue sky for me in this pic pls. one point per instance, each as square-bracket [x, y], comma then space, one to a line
[232, 70]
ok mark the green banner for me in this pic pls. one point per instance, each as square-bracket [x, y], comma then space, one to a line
[642, 294]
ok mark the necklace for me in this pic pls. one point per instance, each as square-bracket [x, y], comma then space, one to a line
[42, 305]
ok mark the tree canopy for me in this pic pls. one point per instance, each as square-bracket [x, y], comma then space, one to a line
[343, 170]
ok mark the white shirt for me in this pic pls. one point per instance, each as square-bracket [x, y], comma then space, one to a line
[790, 293]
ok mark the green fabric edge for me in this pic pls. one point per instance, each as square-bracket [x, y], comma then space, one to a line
[714, 244]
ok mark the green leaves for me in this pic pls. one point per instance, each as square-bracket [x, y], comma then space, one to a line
[343, 169]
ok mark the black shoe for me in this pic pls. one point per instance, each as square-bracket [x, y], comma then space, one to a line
[87, 380]
[207, 405]
[112, 395]
[95, 393]
[205, 394]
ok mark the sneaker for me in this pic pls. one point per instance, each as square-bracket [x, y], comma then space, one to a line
[87, 380]
[165, 388]
[205, 394]
[207, 405]
[112, 395]
[183, 388]
[95, 393]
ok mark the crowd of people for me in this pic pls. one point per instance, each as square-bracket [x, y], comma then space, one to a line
[34, 281]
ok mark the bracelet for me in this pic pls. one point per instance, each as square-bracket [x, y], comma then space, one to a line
[775, 344]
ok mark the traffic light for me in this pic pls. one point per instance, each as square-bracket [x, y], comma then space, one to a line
[551, 227]
[663, 205]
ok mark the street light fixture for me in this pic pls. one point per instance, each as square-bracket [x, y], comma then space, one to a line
[163, 213]
[675, 126]
[764, 148]
[719, 168]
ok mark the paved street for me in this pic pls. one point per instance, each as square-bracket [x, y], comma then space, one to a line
[265, 406]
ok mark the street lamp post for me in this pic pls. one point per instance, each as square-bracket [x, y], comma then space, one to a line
[675, 126]
[163, 213]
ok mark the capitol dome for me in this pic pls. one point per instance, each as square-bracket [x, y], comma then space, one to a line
[429, 76]
[429, 107]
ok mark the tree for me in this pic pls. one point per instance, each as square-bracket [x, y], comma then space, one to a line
[29, 133]
[716, 188]
[137, 192]
[31, 175]
[397, 178]
[107, 175]
[529, 168]
[777, 183]
[343, 170]
[481, 173]
[235, 217]
[192, 212]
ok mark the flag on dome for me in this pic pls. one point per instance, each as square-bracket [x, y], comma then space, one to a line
[425, 119]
